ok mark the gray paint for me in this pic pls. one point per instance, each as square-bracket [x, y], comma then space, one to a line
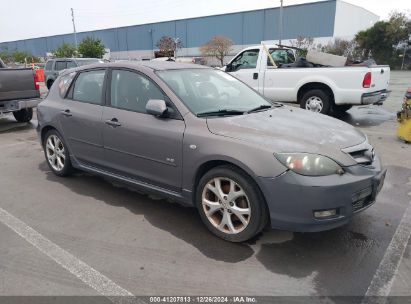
[138, 151]
[250, 27]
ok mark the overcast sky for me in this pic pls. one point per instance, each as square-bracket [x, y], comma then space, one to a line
[21, 19]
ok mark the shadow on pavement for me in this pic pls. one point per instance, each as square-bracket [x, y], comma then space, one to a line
[342, 261]
[8, 124]
[366, 116]
[182, 222]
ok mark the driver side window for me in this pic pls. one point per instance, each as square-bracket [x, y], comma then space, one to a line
[246, 60]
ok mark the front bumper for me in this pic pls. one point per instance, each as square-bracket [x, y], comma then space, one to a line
[375, 97]
[292, 199]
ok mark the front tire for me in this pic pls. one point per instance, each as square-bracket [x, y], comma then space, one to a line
[317, 101]
[230, 204]
[56, 153]
[24, 115]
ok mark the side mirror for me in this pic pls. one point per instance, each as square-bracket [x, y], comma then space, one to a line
[228, 67]
[156, 107]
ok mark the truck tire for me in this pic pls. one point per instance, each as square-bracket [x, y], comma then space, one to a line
[317, 101]
[24, 115]
[222, 216]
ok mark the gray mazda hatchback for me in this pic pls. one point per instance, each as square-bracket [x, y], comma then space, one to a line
[203, 138]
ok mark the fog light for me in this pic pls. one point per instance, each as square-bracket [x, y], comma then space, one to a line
[325, 213]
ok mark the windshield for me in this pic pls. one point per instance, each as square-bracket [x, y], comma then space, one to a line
[208, 90]
[88, 61]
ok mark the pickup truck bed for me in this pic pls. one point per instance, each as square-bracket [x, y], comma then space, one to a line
[17, 84]
[19, 92]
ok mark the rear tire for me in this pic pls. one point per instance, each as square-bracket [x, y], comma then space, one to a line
[317, 101]
[238, 212]
[56, 153]
[49, 84]
[24, 115]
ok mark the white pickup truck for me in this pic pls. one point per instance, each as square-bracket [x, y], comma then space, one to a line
[319, 89]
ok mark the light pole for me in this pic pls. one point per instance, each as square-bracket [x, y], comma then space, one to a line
[406, 45]
[151, 31]
[74, 28]
[281, 22]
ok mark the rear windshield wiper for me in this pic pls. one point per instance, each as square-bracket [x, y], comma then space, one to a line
[220, 113]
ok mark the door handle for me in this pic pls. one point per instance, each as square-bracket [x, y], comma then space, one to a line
[255, 76]
[66, 113]
[113, 122]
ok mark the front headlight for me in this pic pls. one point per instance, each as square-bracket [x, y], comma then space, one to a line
[309, 164]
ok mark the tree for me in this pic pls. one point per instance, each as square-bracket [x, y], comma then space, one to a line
[218, 47]
[168, 46]
[65, 50]
[6, 55]
[385, 41]
[342, 47]
[303, 44]
[18, 56]
[91, 48]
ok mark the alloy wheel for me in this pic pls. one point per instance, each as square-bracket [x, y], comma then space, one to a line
[55, 152]
[226, 205]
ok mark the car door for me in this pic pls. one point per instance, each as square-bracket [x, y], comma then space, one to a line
[81, 117]
[137, 144]
[279, 83]
[245, 67]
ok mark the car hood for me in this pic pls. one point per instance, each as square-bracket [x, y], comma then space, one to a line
[288, 129]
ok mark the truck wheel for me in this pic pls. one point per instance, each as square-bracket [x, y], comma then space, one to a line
[317, 101]
[230, 204]
[24, 115]
[340, 109]
[49, 84]
[57, 156]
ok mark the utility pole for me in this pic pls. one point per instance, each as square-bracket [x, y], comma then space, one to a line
[281, 22]
[176, 41]
[74, 28]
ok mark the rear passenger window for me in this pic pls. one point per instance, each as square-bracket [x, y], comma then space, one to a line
[64, 83]
[281, 57]
[131, 91]
[60, 65]
[89, 86]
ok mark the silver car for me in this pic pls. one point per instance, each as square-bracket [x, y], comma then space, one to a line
[203, 138]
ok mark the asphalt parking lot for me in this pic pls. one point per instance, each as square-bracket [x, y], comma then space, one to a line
[147, 246]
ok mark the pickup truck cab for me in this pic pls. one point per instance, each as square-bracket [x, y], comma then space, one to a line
[318, 89]
[54, 66]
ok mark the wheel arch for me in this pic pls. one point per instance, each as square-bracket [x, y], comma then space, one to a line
[44, 131]
[315, 86]
[208, 165]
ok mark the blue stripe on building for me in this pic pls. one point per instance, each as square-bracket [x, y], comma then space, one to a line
[250, 27]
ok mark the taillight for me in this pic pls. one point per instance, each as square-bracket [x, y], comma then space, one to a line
[36, 80]
[366, 83]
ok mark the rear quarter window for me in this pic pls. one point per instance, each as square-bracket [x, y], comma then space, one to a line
[64, 83]
[49, 65]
